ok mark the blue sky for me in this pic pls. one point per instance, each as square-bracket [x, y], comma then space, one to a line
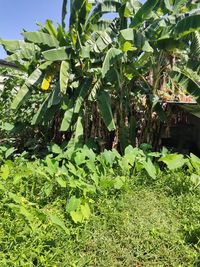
[17, 15]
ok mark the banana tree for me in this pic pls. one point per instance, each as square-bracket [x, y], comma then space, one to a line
[160, 45]
[98, 75]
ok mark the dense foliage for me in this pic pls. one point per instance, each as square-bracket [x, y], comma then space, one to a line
[101, 79]
[75, 208]
[99, 85]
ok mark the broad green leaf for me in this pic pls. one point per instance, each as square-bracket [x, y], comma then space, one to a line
[13, 46]
[111, 57]
[79, 129]
[62, 53]
[9, 152]
[187, 25]
[119, 182]
[7, 126]
[174, 161]
[62, 182]
[85, 210]
[77, 216]
[78, 132]
[83, 90]
[85, 52]
[137, 39]
[59, 222]
[98, 13]
[23, 94]
[41, 111]
[41, 38]
[187, 79]
[34, 78]
[56, 149]
[55, 97]
[25, 53]
[72, 168]
[150, 168]
[64, 76]
[104, 104]
[195, 162]
[103, 41]
[108, 157]
[80, 158]
[127, 34]
[45, 65]
[73, 204]
[143, 13]
[66, 122]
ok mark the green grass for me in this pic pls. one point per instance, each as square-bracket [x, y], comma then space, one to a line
[140, 226]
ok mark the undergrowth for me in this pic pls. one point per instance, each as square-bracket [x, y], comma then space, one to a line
[75, 208]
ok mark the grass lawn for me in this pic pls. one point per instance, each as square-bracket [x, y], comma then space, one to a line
[139, 226]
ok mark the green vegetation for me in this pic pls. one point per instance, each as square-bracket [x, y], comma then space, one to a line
[77, 209]
[101, 79]
[79, 119]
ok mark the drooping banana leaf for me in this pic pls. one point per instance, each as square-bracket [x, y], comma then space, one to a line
[23, 94]
[195, 45]
[188, 80]
[78, 132]
[41, 112]
[55, 97]
[102, 42]
[104, 104]
[186, 26]
[111, 57]
[143, 13]
[23, 54]
[35, 77]
[83, 90]
[41, 38]
[13, 46]
[64, 76]
[103, 7]
[66, 122]
[58, 54]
